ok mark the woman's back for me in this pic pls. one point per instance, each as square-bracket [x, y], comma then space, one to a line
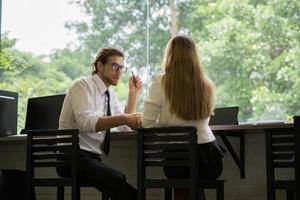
[157, 113]
[183, 94]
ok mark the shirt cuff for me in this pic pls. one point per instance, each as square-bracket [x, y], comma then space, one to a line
[123, 128]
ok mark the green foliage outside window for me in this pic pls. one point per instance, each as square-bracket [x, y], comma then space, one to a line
[250, 49]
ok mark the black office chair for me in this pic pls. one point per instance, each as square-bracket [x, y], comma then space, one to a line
[50, 149]
[171, 146]
[283, 151]
[43, 113]
[13, 185]
[46, 149]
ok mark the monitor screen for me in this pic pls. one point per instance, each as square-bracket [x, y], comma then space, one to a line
[225, 116]
[8, 113]
[43, 112]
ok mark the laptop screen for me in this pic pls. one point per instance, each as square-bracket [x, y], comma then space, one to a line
[44, 112]
[225, 116]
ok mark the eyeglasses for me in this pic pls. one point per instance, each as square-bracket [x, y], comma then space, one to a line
[116, 67]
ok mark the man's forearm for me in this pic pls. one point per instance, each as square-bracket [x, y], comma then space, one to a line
[105, 123]
[131, 103]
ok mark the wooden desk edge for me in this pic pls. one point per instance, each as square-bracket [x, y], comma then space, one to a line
[130, 135]
[21, 138]
[251, 126]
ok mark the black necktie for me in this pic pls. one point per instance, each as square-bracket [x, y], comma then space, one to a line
[106, 141]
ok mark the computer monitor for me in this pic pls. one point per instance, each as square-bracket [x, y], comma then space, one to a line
[8, 112]
[225, 116]
[43, 112]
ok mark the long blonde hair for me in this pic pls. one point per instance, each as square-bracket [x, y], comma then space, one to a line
[188, 89]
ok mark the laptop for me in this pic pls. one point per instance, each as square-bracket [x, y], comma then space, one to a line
[225, 116]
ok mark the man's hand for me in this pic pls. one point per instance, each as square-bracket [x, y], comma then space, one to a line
[135, 89]
[133, 120]
[135, 85]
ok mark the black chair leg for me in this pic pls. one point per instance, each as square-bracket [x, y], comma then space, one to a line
[105, 195]
[290, 195]
[168, 193]
[141, 193]
[220, 192]
[60, 192]
[271, 195]
[77, 194]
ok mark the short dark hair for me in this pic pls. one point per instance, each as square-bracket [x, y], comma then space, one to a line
[103, 55]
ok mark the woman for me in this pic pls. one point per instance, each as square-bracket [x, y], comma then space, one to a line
[183, 96]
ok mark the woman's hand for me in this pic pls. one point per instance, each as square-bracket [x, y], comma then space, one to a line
[133, 120]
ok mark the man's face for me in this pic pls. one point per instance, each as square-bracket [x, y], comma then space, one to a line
[110, 72]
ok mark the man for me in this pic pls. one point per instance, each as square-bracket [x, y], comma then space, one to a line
[92, 106]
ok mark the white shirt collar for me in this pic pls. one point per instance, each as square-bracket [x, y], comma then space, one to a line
[100, 84]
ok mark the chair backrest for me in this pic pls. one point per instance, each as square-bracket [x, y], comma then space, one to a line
[297, 154]
[280, 145]
[51, 149]
[43, 112]
[283, 151]
[168, 146]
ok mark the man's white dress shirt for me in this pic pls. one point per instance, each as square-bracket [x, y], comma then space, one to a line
[84, 104]
[157, 114]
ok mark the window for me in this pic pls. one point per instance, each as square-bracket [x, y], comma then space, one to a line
[250, 49]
